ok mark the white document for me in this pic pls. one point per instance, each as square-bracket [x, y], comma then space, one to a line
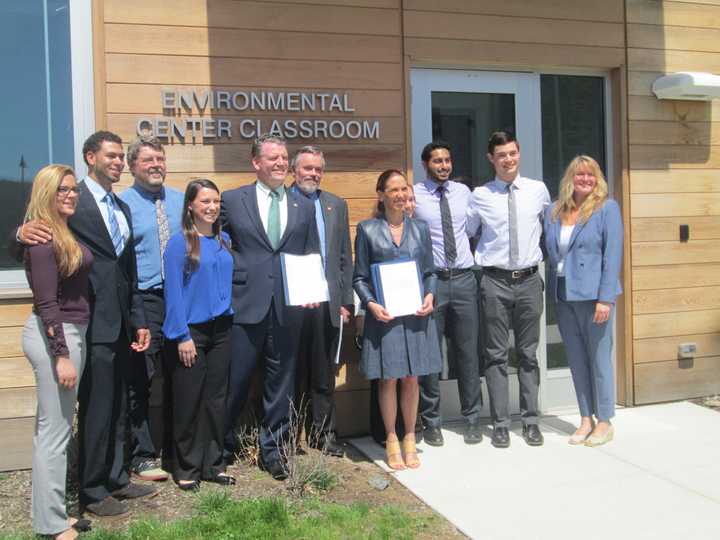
[304, 279]
[400, 288]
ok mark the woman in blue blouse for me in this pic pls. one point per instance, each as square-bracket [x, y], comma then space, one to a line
[584, 241]
[198, 280]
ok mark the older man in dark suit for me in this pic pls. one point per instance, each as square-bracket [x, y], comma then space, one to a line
[103, 223]
[320, 334]
[263, 221]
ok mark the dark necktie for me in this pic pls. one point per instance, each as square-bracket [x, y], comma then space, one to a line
[447, 228]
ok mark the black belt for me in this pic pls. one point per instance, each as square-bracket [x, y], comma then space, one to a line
[447, 273]
[510, 274]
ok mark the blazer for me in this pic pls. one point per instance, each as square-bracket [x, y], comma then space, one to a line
[257, 272]
[374, 244]
[594, 258]
[338, 254]
[114, 300]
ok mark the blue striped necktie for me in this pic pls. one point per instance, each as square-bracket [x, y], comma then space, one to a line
[115, 233]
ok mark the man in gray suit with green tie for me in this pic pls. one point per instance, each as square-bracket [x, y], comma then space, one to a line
[320, 334]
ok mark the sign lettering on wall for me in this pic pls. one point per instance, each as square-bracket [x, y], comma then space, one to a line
[191, 129]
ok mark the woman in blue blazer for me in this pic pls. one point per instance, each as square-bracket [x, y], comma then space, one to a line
[584, 241]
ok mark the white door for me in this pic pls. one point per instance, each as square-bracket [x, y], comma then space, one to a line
[464, 108]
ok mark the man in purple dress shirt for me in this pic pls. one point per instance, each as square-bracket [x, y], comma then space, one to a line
[443, 204]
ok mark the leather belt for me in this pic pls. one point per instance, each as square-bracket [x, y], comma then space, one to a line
[510, 274]
[447, 273]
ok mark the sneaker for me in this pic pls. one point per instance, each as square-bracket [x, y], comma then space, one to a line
[149, 470]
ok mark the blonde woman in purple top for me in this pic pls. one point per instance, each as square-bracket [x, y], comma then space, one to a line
[54, 342]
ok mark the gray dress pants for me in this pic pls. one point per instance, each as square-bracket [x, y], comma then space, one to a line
[53, 423]
[515, 304]
[456, 315]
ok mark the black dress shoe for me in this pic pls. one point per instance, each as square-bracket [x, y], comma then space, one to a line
[222, 479]
[133, 491]
[433, 436]
[473, 434]
[532, 435]
[328, 445]
[500, 437]
[189, 486]
[82, 525]
[109, 506]
[275, 468]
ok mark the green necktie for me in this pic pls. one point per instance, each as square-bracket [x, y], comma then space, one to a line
[273, 223]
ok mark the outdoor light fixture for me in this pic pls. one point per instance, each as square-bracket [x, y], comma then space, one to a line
[687, 85]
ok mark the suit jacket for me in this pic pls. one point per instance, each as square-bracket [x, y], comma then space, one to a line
[594, 257]
[257, 272]
[114, 302]
[113, 280]
[338, 256]
[374, 244]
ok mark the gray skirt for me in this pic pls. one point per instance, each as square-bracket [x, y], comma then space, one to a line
[403, 347]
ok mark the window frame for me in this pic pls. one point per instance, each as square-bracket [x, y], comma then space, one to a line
[13, 283]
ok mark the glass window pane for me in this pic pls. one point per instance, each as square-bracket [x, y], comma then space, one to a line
[573, 122]
[465, 120]
[37, 99]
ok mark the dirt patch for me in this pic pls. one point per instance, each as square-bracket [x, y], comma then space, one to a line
[711, 402]
[353, 473]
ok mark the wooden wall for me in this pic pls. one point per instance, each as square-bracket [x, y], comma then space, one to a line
[317, 45]
[675, 179]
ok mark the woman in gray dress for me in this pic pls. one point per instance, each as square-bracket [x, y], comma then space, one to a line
[396, 347]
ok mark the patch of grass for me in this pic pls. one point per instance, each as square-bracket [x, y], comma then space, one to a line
[218, 516]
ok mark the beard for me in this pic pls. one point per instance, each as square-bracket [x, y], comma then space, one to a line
[308, 187]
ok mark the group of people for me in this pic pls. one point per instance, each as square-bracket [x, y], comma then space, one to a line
[152, 309]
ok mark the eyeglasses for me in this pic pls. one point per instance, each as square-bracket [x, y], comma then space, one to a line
[63, 191]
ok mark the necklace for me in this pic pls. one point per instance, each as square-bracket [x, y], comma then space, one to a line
[399, 226]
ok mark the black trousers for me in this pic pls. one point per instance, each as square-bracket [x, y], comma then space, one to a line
[149, 399]
[315, 379]
[457, 317]
[102, 399]
[277, 345]
[199, 394]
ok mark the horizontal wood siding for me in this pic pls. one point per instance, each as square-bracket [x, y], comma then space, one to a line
[675, 162]
[349, 47]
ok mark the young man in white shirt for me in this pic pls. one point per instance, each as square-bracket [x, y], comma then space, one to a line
[507, 213]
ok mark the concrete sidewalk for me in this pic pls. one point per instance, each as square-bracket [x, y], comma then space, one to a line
[659, 478]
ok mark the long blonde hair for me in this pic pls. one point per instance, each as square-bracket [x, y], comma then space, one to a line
[565, 203]
[43, 206]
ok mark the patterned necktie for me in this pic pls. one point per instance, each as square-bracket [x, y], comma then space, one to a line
[163, 230]
[513, 226]
[273, 223]
[115, 233]
[447, 228]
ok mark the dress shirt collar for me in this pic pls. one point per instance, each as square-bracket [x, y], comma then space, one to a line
[434, 187]
[97, 191]
[147, 194]
[504, 186]
[265, 190]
